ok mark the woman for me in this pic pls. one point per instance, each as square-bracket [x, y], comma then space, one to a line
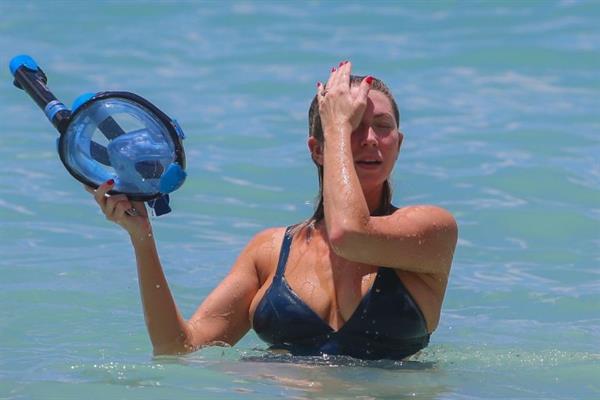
[360, 278]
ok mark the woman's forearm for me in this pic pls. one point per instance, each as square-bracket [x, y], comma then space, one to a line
[344, 203]
[168, 330]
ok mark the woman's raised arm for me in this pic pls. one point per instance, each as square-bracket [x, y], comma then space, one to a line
[361, 144]
[221, 318]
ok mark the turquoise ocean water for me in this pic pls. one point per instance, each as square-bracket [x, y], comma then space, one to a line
[499, 104]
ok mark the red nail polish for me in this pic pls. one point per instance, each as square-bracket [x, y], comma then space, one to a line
[110, 182]
[318, 84]
[369, 79]
[333, 69]
[342, 63]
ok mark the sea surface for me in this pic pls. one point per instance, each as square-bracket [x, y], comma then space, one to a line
[500, 106]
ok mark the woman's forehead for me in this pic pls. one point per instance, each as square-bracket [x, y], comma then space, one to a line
[381, 102]
[378, 101]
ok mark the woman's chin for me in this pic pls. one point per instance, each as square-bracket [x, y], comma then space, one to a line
[369, 183]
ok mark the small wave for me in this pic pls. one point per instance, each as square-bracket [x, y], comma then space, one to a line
[326, 360]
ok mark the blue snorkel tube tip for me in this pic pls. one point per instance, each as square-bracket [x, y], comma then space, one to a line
[22, 60]
[29, 77]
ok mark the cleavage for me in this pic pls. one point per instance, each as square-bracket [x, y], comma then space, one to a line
[324, 288]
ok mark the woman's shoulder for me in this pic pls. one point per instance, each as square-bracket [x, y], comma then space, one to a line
[268, 235]
[425, 209]
[266, 242]
[265, 246]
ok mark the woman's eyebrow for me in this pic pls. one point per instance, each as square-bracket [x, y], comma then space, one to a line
[382, 115]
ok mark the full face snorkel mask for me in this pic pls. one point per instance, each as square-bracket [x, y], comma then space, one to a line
[111, 135]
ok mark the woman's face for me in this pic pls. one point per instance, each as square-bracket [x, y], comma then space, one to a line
[376, 141]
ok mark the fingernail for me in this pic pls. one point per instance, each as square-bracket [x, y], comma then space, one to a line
[318, 84]
[342, 63]
[369, 79]
[110, 182]
[333, 69]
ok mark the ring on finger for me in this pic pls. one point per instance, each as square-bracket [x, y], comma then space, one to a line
[133, 212]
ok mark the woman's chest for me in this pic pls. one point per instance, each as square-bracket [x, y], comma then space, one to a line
[330, 286]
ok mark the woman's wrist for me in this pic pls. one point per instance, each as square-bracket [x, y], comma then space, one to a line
[337, 130]
[141, 232]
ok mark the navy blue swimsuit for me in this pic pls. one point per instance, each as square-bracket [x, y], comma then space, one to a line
[387, 324]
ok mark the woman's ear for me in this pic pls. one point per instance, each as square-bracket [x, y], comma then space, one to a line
[316, 150]
[400, 139]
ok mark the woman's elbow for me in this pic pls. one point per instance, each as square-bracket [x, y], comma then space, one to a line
[342, 241]
[335, 236]
[181, 344]
[446, 244]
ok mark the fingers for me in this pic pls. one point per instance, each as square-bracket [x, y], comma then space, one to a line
[340, 76]
[114, 207]
[321, 91]
[138, 208]
[344, 73]
[100, 194]
[332, 75]
[363, 92]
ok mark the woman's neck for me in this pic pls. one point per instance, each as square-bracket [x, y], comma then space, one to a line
[373, 199]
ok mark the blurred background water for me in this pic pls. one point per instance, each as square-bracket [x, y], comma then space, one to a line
[499, 104]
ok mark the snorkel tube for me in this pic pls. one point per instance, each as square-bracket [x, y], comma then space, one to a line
[111, 135]
[30, 77]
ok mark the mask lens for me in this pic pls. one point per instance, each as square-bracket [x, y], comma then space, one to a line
[120, 139]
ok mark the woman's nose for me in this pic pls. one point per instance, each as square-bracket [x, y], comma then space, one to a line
[369, 137]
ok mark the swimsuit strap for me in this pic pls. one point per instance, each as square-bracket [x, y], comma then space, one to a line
[283, 254]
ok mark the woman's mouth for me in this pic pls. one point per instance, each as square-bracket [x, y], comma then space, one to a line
[369, 163]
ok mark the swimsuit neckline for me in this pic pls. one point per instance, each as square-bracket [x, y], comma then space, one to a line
[321, 319]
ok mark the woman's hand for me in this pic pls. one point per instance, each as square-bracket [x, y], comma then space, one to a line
[131, 215]
[339, 106]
